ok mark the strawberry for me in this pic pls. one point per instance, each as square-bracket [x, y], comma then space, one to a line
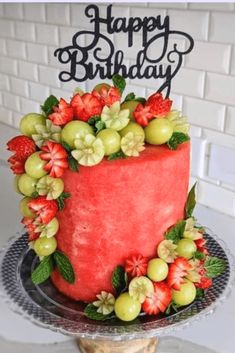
[107, 96]
[136, 265]
[204, 283]
[177, 271]
[201, 245]
[45, 209]
[17, 166]
[158, 105]
[31, 228]
[142, 114]
[63, 113]
[85, 106]
[56, 156]
[159, 300]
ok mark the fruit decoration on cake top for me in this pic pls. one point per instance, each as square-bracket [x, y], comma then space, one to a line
[91, 127]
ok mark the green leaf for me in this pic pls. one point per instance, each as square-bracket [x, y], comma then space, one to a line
[214, 266]
[99, 125]
[198, 255]
[34, 194]
[43, 270]
[140, 100]
[191, 202]
[119, 82]
[130, 97]
[49, 103]
[91, 312]
[119, 279]
[73, 163]
[60, 200]
[116, 155]
[66, 146]
[172, 307]
[93, 120]
[200, 293]
[176, 232]
[176, 139]
[64, 266]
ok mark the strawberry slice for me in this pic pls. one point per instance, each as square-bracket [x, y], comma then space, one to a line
[158, 105]
[107, 96]
[45, 209]
[63, 113]
[85, 106]
[142, 114]
[201, 245]
[56, 156]
[31, 228]
[177, 271]
[159, 300]
[136, 265]
[204, 283]
[17, 165]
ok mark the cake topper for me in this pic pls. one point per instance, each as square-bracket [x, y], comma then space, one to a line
[93, 53]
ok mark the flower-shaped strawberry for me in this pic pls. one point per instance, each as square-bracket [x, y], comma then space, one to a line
[159, 300]
[63, 113]
[136, 265]
[178, 270]
[23, 147]
[159, 106]
[44, 209]
[107, 96]
[142, 114]
[201, 245]
[30, 226]
[56, 156]
[85, 106]
[204, 283]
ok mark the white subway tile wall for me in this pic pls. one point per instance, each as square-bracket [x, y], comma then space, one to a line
[204, 88]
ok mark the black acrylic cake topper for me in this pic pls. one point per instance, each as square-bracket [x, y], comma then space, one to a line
[89, 60]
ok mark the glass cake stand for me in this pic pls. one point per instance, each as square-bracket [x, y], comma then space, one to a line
[45, 306]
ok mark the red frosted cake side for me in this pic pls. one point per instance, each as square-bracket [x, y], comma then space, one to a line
[118, 208]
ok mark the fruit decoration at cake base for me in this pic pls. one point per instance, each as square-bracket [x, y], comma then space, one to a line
[94, 126]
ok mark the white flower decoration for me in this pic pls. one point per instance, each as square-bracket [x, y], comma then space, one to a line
[46, 132]
[180, 123]
[48, 230]
[89, 150]
[132, 144]
[52, 187]
[190, 231]
[115, 118]
[194, 273]
[105, 304]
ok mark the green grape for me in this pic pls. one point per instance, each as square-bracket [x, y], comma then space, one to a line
[127, 308]
[157, 270]
[186, 248]
[75, 129]
[158, 131]
[27, 184]
[132, 127]
[131, 105]
[15, 183]
[186, 294]
[45, 246]
[111, 141]
[34, 166]
[28, 122]
[24, 209]
[99, 87]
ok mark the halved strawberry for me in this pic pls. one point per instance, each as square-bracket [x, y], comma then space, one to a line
[158, 105]
[159, 300]
[45, 209]
[85, 106]
[31, 228]
[142, 114]
[17, 165]
[23, 146]
[63, 113]
[201, 245]
[178, 270]
[204, 283]
[107, 96]
[56, 156]
[136, 265]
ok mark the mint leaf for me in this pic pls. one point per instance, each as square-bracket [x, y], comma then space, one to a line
[34, 194]
[176, 139]
[48, 105]
[130, 97]
[64, 266]
[93, 120]
[198, 255]
[172, 307]
[73, 163]
[119, 279]
[119, 82]
[60, 200]
[200, 293]
[176, 232]
[66, 146]
[116, 155]
[140, 100]
[214, 266]
[43, 270]
[191, 202]
[91, 312]
[99, 125]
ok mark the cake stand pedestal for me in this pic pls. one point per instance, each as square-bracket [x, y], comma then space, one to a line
[45, 306]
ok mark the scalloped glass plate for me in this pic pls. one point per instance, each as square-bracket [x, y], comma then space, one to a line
[45, 306]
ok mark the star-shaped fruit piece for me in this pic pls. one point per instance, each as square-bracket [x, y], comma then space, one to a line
[132, 144]
[142, 114]
[105, 303]
[56, 156]
[85, 106]
[51, 187]
[159, 300]
[140, 288]
[89, 150]
[115, 118]
[190, 231]
[159, 106]
[46, 132]
[62, 113]
[136, 265]
[45, 209]
[179, 122]
[178, 270]
[107, 95]
[167, 251]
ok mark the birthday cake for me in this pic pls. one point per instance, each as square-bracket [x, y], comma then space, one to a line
[104, 181]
